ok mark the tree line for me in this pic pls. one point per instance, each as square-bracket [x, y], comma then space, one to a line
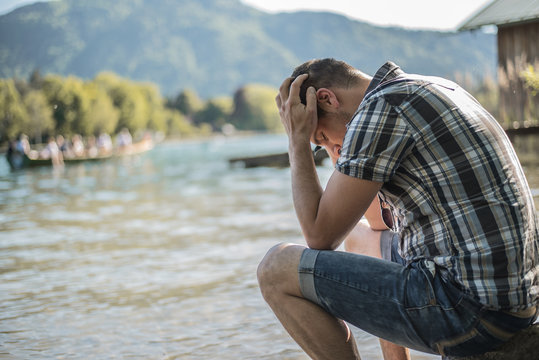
[49, 105]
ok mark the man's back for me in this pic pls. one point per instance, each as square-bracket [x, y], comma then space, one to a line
[454, 181]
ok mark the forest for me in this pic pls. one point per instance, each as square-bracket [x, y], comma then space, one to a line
[51, 105]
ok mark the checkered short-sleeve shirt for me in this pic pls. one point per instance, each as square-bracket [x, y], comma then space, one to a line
[453, 181]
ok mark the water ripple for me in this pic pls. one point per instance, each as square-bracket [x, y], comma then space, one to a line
[149, 257]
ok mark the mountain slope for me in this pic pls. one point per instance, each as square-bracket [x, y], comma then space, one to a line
[215, 46]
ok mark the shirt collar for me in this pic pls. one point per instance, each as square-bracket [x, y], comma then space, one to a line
[387, 72]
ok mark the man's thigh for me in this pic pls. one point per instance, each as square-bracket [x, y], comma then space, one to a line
[402, 304]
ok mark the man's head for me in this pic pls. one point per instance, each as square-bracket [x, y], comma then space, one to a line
[326, 73]
[339, 90]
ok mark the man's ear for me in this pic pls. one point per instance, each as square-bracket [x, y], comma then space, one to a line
[327, 99]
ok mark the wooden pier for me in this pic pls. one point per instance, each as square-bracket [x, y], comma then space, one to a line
[272, 160]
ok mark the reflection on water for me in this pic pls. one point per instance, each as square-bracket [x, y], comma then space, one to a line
[149, 257]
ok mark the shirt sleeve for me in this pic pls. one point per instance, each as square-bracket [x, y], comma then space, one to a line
[377, 141]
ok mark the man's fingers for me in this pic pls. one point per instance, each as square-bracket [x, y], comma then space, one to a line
[290, 90]
[298, 119]
[311, 105]
[296, 85]
[284, 90]
[311, 99]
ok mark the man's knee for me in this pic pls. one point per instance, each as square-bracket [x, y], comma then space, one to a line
[270, 270]
[278, 270]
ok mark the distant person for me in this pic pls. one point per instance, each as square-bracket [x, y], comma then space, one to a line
[14, 157]
[124, 140]
[459, 274]
[104, 144]
[52, 152]
[11, 146]
[23, 145]
[62, 144]
[77, 146]
[91, 147]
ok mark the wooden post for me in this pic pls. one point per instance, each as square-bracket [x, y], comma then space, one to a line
[517, 49]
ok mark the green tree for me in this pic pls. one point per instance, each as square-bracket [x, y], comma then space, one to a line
[70, 104]
[132, 106]
[178, 125]
[13, 115]
[40, 121]
[35, 81]
[187, 102]
[155, 107]
[128, 99]
[102, 115]
[254, 109]
[216, 112]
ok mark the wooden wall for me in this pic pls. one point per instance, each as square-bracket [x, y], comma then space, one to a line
[518, 46]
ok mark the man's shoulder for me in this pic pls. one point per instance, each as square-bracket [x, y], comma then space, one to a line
[393, 91]
[404, 87]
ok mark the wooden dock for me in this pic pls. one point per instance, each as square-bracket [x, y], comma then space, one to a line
[279, 160]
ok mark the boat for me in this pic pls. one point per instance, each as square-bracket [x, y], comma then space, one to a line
[272, 160]
[19, 161]
[136, 148]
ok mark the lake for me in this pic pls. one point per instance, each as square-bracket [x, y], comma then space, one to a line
[152, 256]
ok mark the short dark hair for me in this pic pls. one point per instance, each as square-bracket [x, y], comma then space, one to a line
[325, 73]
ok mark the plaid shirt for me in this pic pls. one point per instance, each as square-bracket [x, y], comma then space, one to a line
[453, 181]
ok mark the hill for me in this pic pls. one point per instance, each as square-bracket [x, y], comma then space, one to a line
[216, 46]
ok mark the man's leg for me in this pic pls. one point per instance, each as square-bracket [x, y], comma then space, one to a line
[392, 351]
[365, 241]
[319, 334]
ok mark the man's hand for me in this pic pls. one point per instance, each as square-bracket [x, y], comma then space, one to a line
[300, 121]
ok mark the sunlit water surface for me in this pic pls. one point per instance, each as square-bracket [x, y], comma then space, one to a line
[149, 257]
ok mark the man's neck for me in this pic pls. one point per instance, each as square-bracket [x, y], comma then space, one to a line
[364, 85]
[352, 97]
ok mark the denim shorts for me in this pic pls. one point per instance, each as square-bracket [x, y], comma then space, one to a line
[415, 305]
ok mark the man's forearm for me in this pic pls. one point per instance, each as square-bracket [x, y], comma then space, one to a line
[306, 189]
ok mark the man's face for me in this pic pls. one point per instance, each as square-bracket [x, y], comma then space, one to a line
[330, 132]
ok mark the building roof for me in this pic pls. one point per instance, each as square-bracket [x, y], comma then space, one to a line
[503, 12]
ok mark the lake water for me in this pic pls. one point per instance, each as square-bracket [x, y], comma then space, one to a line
[150, 257]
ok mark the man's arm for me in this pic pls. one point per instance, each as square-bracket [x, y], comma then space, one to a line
[326, 216]
[374, 211]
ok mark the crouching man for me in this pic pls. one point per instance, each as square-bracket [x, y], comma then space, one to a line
[459, 270]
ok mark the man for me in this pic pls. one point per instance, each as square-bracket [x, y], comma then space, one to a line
[463, 272]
